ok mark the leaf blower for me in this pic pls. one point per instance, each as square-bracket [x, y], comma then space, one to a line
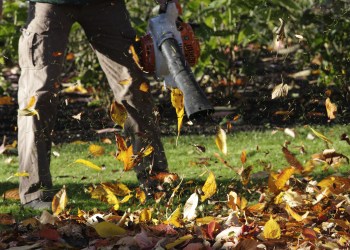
[168, 50]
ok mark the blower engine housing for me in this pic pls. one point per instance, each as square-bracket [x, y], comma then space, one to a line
[190, 47]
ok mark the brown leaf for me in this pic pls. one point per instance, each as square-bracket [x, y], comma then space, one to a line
[7, 219]
[291, 159]
[49, 234]
[245, 175]
[345, 137]
[309, 233]
[336, 184]
[247, 244]
[12, 194]
[6, 100]
[244, 157]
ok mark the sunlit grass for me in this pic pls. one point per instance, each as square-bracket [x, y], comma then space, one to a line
[263, 150]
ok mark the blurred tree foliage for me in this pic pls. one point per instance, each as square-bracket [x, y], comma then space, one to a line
[223, 27]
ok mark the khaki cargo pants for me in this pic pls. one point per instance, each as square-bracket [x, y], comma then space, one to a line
[107, 27]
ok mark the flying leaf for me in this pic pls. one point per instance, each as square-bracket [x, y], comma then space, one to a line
[144, 87]
[220, 140]
[125, 154]
[280, 31]
[345, 137]
[111, 198]
[135, 56]
[141, 195]
[29, 109]
[145, 215]
[321, 136]
[126, 81]
[277, 182]
[174, 218]
[209, 188]
[271, 229]
[280, 90]
[177, 100]
[118, 113]
[126, 198]
[245, 175]
[21, 174]
[291, 159]
[331, 109]
[244, 156]
[336, 184]
[118, 188]
[96, 150]
[190, 207]
[59, 201]
[88, 164]
[107, 229]
[78, 89]
[77, 116]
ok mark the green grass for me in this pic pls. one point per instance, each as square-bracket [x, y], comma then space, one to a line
[262, 148]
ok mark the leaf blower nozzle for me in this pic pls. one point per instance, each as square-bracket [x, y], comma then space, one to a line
[196, 103]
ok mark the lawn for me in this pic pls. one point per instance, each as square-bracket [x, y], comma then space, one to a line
[263, 150]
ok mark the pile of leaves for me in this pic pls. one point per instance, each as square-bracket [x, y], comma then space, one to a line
[289, 209]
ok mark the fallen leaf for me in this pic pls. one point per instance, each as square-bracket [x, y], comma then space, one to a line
[59, 201]
[331, 109]
[96, 150]
[272, 229]
[178, 241]
[12, 194]
[245, 175]
[174, 218]
[209, 188]
[190, 207]
[177, 101]
[107, 229]
[111, 198]
[47, 218]
[7, 219]
[335, 184]
[146, 215]
[280, 31]
[220, 140]
[88, 164]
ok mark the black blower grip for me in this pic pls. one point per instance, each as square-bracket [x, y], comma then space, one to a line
[196, 103]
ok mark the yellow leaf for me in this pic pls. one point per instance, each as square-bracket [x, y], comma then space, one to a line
[126, 81]
[335, 184]
[96, 150]
[118, 188]
[140, 194]
[59, 201]
[145, 215]
[111, 198]
[21, 174]
[76, 89]
[271, 229]
[321, 136]
[283, 177]
[174, 218]
[88, 164]
[118, 113]
[295, 215]
[178, 241]
[126, 198]
[125, 154]
[177, 100]
[144, 87]
[245, 175]
[135, 56]
[220, 140]
[331, 109]
[205, 220]
[29, 109]
[209, 188]
[107, 229]
[256, 208]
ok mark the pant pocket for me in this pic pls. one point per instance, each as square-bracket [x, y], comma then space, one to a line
[31, 50]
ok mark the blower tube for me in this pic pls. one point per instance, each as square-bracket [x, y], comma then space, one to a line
[197, 105]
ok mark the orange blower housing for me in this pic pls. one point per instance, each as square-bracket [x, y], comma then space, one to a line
[190, 46]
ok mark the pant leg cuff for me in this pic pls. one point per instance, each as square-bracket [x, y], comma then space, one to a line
[32, 196]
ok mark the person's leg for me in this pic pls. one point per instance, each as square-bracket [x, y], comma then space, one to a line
[108, 29]
[41, 52]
